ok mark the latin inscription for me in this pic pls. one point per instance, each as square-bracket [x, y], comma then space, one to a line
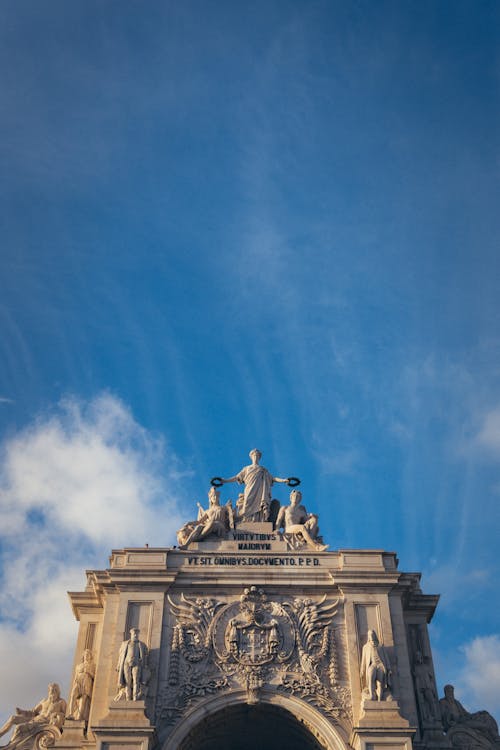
[256, 561]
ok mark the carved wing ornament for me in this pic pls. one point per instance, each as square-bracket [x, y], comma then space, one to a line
[255, 642]
[312, 621]
[194, 623]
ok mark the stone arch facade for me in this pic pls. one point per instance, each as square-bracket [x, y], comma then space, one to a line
[245, 629]
[303, 718]
[238, 625]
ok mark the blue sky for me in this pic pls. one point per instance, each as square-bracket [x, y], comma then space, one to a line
[228, 225]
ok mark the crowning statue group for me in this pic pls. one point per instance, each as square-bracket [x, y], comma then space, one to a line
[254, 505]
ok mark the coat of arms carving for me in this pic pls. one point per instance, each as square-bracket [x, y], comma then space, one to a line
[254, 641]
[253, 631]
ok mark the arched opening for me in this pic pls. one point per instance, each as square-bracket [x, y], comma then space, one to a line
[244, 727]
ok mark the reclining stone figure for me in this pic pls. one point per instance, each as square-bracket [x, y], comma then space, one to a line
[216, 520]
[300, 527]
[463, 729]
[47, 717]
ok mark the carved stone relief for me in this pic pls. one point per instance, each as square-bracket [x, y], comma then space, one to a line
[425, 690]
[423, 680]
[256, 642]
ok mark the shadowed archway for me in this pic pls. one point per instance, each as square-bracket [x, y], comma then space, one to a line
[244, 727]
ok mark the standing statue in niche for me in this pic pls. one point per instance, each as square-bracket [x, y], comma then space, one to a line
[424, 689]
[46, 717]
[258, 482]
[375, 668]
[478, 730]
[133, 671]
[83, 684]
[216, 520]
[300, 527]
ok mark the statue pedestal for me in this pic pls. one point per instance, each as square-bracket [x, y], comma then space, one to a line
[381, 723]
[73, 734]
[381, 714]
[126, 725]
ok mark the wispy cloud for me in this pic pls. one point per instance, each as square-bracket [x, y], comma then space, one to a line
[488, 436]
[480, 677]
[75, 483]
[340, 462]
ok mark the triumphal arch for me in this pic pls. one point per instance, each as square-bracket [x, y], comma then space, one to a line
[252, 633]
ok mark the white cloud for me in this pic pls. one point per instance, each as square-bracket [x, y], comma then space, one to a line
[43, 651]
[75, 483]
[488, 436]
[478, 686]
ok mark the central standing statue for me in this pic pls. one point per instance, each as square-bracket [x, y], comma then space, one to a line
[258, 482]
